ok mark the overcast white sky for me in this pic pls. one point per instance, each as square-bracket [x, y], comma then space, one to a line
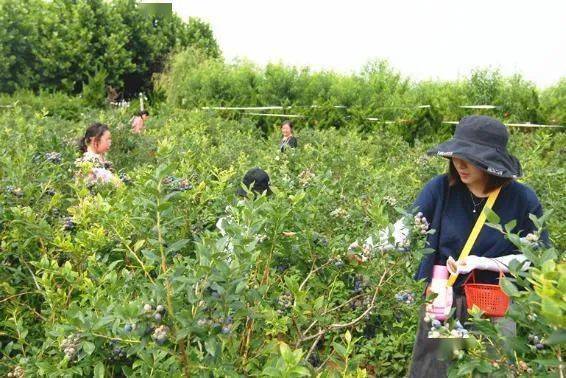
[441, 39]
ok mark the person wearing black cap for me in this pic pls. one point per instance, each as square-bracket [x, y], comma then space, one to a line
[288, 139]
[479, 164]
[256, 180]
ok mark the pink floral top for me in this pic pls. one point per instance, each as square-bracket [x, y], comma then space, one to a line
[95, 169]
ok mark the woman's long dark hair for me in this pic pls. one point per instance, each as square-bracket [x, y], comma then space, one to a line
[94, 131]
[493, 182]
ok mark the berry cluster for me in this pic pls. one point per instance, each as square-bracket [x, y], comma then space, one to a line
[50, 191]
[157, 314]
[71, 345]
[443, 331]
[285, 301]
[53, 157]
[17, 372]
[125, 178]
[224, 325]
[362, 302]
[391, 201]
[68, 224]
[338, 262]
[531, 239]
[305, 177]
[421, 223]
[175, 184]
[160, 334]
[118, 353]
[536, 342]
[319, 240]
[405, 297]
[15, 191]
[360, 283]
[339, 213]
[361, 254]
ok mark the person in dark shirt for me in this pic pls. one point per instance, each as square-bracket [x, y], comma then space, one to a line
[288, 139]
[479, 163]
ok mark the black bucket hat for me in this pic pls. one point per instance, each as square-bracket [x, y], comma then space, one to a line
[256, 180]
[482, 141]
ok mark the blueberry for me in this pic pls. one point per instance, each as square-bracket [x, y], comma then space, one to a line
[225, 330]
[357, 285]
[435, 323]
[229, 319]
[314, 360]
[160, 308]
[128, 328]
[539, 346]
[68, 224]
[161, 339]
[157, 317]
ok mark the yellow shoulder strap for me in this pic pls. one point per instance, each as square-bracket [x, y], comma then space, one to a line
[475, 232]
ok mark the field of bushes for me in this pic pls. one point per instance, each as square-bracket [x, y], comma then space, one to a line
[138, 281]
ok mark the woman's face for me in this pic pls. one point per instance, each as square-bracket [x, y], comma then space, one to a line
[469, 173]
[102, 145]
[286, 130]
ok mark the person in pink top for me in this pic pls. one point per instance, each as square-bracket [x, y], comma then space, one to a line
[138, 122]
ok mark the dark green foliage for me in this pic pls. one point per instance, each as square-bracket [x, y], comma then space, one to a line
[377, 91]
[59, 44]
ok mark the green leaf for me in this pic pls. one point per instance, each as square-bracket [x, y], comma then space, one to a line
[557, 337]
[509, 288]
[138, 245]
[211, 346]
[510, 225]
[492, 217]
[88, 347]
[99, 370]
[178, 245]
[340, 349]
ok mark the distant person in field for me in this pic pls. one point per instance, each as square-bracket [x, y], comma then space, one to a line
[288, 139]
[93, 166]
[138, 122]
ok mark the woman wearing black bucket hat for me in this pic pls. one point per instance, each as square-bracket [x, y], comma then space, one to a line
[479, 164]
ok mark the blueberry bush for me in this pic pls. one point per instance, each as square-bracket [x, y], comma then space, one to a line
[137, 279]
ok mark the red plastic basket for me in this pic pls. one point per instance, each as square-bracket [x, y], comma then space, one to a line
[489, 298]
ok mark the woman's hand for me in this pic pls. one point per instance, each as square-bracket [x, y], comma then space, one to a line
[466, 265]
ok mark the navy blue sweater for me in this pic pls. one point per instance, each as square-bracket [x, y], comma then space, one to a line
[449, 210]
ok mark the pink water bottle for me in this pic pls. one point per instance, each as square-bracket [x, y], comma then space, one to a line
[438, 286]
